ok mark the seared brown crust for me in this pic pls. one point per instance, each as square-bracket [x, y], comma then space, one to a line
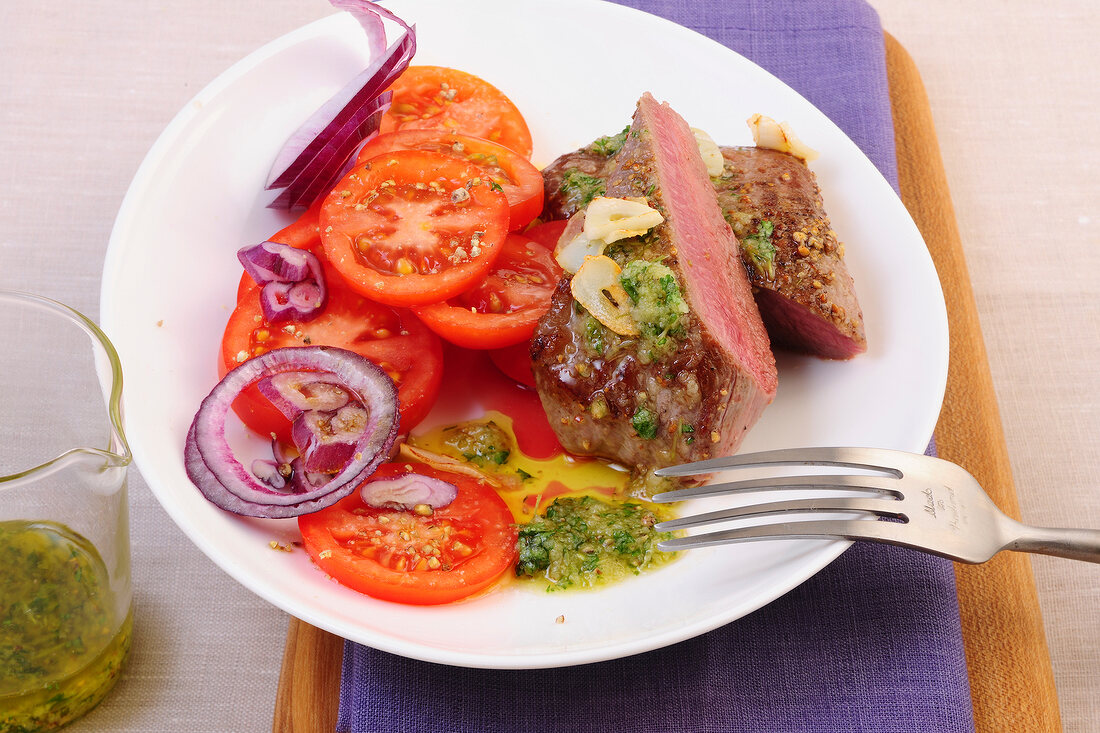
[808, 300]
[557, 202]
[703, 393]
[692, 387]
[809, 271]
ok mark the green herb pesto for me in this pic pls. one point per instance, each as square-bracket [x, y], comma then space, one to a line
[584, 542]
[739, 222]
[485, 444]
[594, 332]
[760, 249]
[644, 422]
[578, 189]
[61, 645]
[656, 303]
[608, 145]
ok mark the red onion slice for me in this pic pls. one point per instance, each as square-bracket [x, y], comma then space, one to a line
[408, 491]
[218, 474]
[299, 302]
[335, 159]
[370, 21]
[295, 392]
[268, 472]
[293, 281]
[319, 150]
[328, 440]
[277, 262]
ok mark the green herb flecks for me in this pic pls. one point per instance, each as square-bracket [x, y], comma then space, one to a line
[594, 333]
[608, 145]
[644, 422]
[656, 303]
[484, 444]
[61, 644]
[578, 188]
[760, 249]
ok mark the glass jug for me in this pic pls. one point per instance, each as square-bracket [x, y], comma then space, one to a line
[65, 595]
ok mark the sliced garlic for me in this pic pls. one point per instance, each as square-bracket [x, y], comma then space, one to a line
[611, 219]
[708, 150]
[596, 286]
[573, 246]
[767, 133]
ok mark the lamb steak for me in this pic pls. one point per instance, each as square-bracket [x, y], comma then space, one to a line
[790, 251]
[687, 394]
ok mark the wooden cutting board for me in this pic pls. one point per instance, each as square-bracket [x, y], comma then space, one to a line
[1011, 680]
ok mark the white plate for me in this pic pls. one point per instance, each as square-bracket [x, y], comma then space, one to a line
[171, 274]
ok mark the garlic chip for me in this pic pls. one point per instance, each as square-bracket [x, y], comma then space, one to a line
[610, 220]
[596, 286]
[573, 246]
[767, 133]
[710, 153]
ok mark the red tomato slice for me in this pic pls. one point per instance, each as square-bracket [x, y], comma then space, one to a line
[401, 556]
[520, 181]
[439, 98]
[515, 362]
[393, 339]
[505, 306]
[547, 233]
[412, 227]
[304, 232]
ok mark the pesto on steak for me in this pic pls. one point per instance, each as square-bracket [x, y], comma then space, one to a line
[578, 188]
[656, 302]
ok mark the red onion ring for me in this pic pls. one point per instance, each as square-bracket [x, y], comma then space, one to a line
[223, 480]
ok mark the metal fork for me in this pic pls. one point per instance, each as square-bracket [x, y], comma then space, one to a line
[936, 506]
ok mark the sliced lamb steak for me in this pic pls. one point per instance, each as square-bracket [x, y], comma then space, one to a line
[804, 291]
[791, 253]
[693, 390]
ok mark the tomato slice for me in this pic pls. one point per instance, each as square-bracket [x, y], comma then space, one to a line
[401, 556]
[504, 307]
[413, 227]
[547, 233]
[520, 181]
[439, 98]
[391, 338]
[515, 361]
[303, 233]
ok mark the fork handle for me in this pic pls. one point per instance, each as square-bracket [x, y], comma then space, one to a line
[1076, 544]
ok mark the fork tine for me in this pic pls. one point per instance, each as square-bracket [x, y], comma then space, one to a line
[866, 458]
[850, 529]
[881, 507]
[779, 483]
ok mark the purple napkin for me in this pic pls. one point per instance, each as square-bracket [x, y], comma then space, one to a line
[871, 643]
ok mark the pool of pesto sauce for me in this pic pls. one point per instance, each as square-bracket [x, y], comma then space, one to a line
[579, 541]
[584, 542]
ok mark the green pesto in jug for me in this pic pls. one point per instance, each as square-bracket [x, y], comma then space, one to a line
[61, 643]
